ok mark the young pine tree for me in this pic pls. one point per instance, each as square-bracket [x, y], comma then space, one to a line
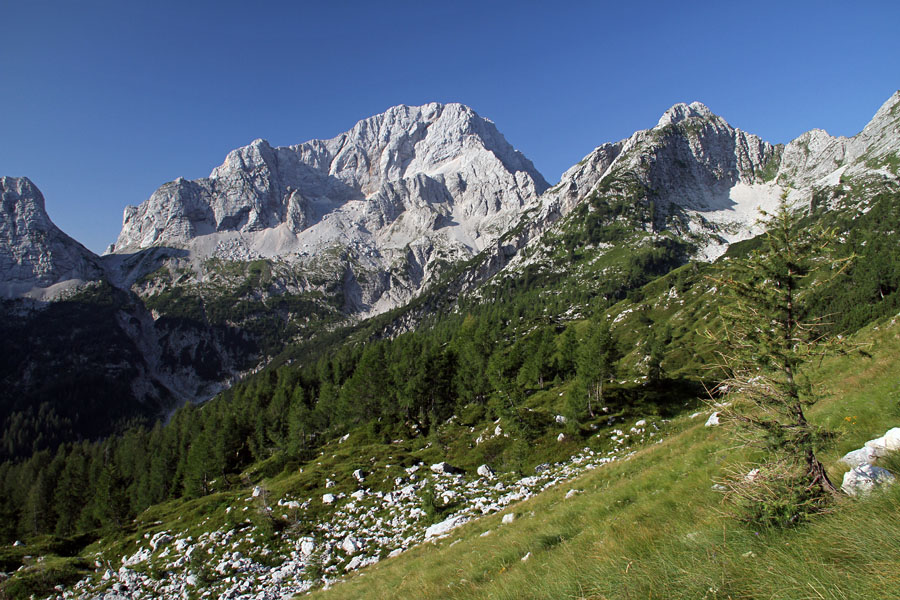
[770, 336]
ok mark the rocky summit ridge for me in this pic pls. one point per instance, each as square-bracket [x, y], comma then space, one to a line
[211, 278]
[398, 192]
[708, 180]
[36, 258]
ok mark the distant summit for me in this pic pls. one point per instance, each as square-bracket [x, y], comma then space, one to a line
[35, 255]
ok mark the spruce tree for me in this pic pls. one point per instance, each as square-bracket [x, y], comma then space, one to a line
[596, 365]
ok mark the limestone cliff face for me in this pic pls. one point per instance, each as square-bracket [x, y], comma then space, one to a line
[708, 180]
[813, 157]
[36, 258]
[396, 194]
[430, 161]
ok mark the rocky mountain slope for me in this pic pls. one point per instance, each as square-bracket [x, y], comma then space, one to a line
[689, 187]
[36, 258]
[394, 199]
[213, 277]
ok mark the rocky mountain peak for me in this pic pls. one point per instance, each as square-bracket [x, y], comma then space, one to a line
[34, 254]
[477, 175]
[681, 112]
[412, 186]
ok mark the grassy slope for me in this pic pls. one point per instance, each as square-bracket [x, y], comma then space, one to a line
[652, 527]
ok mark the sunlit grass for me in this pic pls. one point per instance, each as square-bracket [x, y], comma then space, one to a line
[652, 527]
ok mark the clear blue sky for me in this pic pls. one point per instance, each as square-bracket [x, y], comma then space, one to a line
[104, 101]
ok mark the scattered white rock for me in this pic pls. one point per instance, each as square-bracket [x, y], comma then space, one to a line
[861, 480]
[443, 468]
[560, 419]
[572, 493]
[486, 472]
[359, 475]
[327, 498]
[859, 457]
[526, 557]
[508, 518]
[713, 420]
[561, 437]
[444, 527]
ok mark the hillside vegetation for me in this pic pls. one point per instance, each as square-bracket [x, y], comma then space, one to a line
[655, 527]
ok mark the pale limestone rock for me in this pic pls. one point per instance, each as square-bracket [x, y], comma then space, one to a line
[444, 527]
[37, 259]
[892, 440]
[861, 480]
[412, 185]
[486, 472]
[856, 458]
[443, 468]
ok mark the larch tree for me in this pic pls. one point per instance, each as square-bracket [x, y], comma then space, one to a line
[770, 336]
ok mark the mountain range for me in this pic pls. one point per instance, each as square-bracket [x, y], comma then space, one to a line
[210, 279]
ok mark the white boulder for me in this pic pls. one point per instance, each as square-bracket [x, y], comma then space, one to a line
[859, 457]
[861, 480]
[443, 468]
[486, 472]
[327, 498]
[892, 439]
[713, 420]
[444, 527]
[350, 545]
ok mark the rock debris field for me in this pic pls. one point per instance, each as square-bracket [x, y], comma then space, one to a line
[348, 531]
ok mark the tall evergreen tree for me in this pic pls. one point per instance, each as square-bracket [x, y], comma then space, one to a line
[596, 364]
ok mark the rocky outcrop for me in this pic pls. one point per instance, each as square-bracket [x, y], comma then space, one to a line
[708, 180]
[36, 258]
[816, 158]
[395, 194]
[864, 476]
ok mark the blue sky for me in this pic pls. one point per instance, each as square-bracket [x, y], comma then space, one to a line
[102, 102]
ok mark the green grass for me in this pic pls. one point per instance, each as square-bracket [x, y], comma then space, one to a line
[652, 527]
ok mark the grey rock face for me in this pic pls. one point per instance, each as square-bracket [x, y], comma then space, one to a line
[36, 258]
[861, 480]
[708, 180]
[814, 156]
[440, 157]
[397, 193]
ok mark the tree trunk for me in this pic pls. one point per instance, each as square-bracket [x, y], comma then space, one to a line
[816, 472]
